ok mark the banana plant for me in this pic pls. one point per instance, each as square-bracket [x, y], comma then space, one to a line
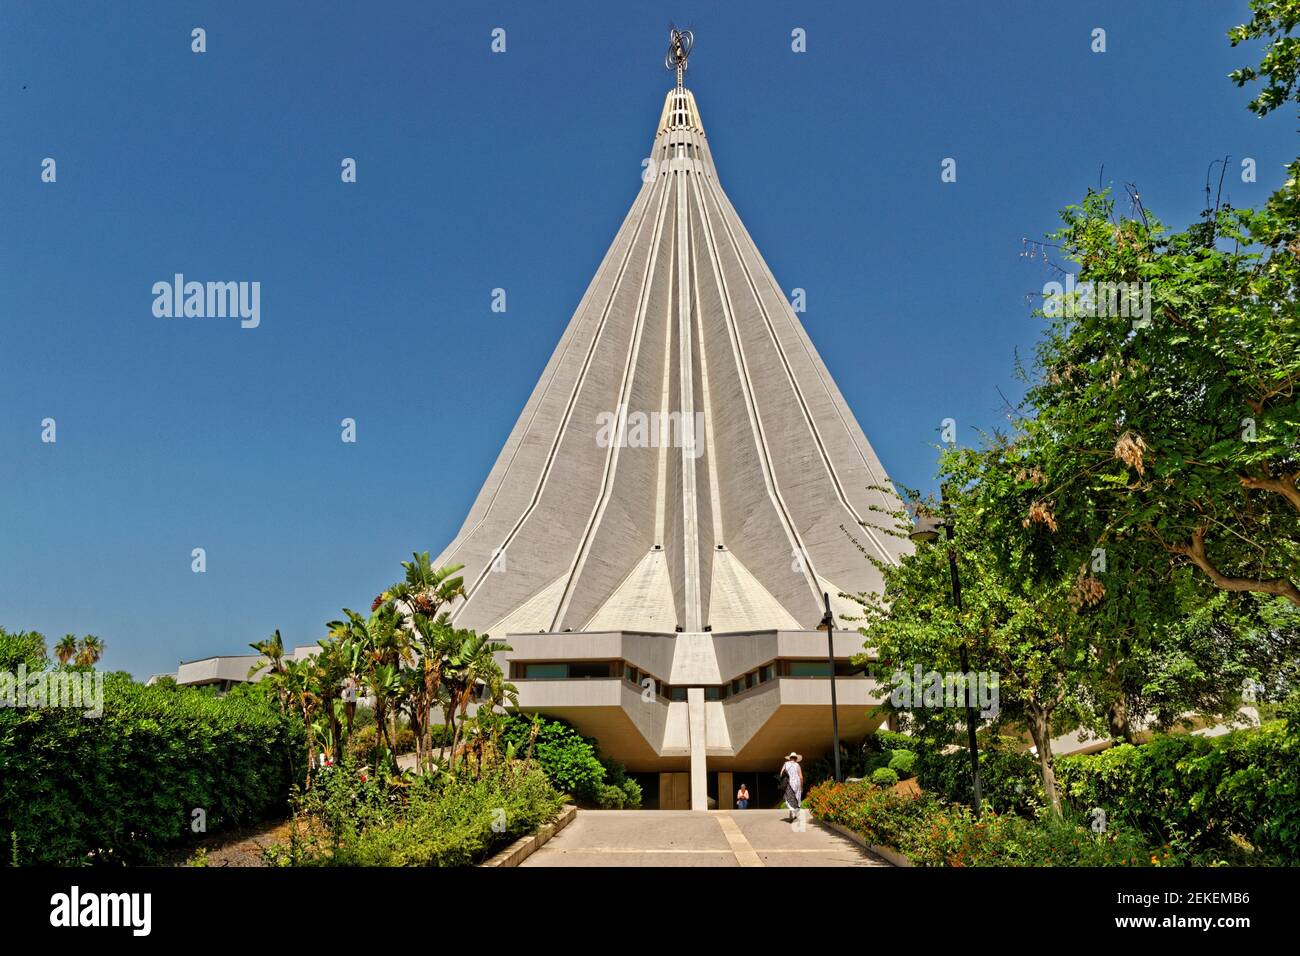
[471, 663]
[424, 589]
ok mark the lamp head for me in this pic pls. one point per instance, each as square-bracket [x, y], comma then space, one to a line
[925, 528]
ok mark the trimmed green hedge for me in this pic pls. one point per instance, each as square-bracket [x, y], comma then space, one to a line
[884, 777]
[1199, 793]
[122, 788]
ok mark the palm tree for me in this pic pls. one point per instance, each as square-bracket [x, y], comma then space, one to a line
[66, 648]
[90, 651]
[352, 665]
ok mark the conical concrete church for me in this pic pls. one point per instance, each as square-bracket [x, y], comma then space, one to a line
[683, 486]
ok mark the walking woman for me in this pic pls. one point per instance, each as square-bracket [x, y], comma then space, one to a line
[792, 783]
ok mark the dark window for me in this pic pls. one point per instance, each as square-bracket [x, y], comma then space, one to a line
[817, 669]
[545, 671]
[588, 669]
[677, 693]
[806, 668]
[766, 673]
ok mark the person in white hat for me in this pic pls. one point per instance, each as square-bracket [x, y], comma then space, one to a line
[792, 783]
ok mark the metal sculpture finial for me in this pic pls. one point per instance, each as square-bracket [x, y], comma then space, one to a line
[680, 43]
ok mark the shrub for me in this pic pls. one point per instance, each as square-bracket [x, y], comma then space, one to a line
[931, 832]
[901, 761]
[882, 816]
[610, 797]
[863, 759]
[121, 788]
[436, 821]
[573, 763]
[22, 647]
[884, 777]
[361, 742]
[1198, 793]
[1009, 777]
[617, 778]
[893, 740]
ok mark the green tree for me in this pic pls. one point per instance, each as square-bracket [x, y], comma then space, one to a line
[1018, 618]
[1185, 431]
[1273, 21]
[1184, 427]
[22, 647]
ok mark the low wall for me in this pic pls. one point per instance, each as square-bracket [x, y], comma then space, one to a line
[893, 857]
[524, 847]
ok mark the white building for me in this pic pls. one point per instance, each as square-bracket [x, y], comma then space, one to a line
[682, 487]
[227, 671]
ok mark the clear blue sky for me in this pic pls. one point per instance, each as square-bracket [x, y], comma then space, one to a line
[477, 171]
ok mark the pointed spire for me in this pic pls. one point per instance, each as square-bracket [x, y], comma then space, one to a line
[738, 527]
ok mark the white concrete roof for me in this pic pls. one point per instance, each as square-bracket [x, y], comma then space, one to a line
[745, 530]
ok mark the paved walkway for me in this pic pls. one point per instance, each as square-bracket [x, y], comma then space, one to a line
[688, 838]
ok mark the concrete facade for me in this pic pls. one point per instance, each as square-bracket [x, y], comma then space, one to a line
[683, 485]
[227, 670]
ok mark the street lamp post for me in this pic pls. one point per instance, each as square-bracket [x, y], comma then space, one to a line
[927, 529]
[828, 625]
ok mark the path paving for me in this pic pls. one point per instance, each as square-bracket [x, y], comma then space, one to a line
[241, 847]
[690, 838]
